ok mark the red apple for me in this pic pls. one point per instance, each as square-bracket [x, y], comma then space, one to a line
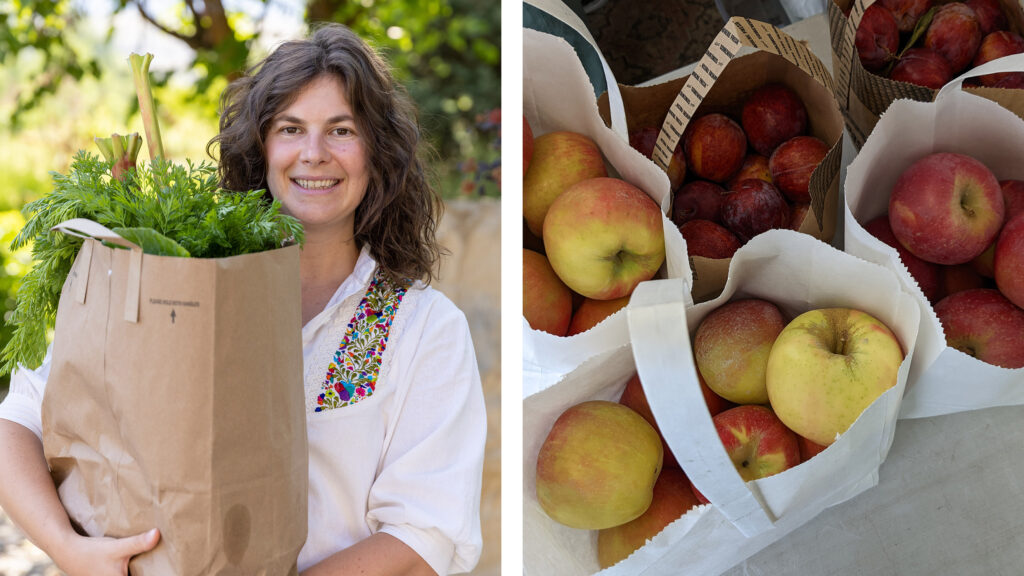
[989, 14]
[603, 236]
[792, 164]
[878, 38]
[527, 144]
[754, 206]
[644, 140]
[633, 396]
[957, 278]
[771, 115]
[547, 304]
[591, 312]
[907, 12]
[698, 199]
[984, 324]
[673, 497]
[1013, 197]
[797, 214]
[560, 159]
[946, 208]
[926, 274]
[1012, 81]
[955, 34]
[1009, 260]
[923, 67]
[985, 263]
[731, 348]
[714, 147]
[708, 239]
[754, 166]
[996, 45]
[714, 402]
[758, 443]
[808, 448]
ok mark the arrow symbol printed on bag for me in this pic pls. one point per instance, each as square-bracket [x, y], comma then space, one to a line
[172, 315]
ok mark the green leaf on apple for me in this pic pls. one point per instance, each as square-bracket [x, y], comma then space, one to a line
[919, 29]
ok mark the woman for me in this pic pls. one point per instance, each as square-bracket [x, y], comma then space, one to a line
[396, 436]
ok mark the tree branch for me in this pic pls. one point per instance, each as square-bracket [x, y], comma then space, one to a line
[192, 41]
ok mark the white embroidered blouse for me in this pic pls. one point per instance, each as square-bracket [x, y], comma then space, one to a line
[406, 456]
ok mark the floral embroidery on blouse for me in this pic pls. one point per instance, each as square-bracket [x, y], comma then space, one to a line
[352, 374]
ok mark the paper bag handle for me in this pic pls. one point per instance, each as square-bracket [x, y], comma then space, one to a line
[84, 228]
[1011, 63]
[616, 108]
[661, 349]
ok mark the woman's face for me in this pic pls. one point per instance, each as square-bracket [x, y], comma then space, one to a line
[316, 158]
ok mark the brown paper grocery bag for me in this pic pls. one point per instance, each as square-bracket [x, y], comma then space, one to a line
[746, 54]
[175, 402]
[864, 96]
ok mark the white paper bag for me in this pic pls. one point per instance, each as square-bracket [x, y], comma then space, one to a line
[557, 96]
[942, 379]
[796, 272]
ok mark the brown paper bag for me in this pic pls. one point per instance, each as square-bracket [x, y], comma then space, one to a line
[721, 81]
[864, 96]
[175, 402]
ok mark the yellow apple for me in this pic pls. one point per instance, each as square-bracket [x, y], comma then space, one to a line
[559, 160]
[826, 367]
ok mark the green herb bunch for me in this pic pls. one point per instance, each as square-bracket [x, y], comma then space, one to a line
[166, 208]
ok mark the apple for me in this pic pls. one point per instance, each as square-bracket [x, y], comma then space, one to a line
[547, 303]
[984, 324]
[985, 263]
[771, 115]
[923, 67]
[708, 239]
[591, 312]
[644, 139]
[926, 274]
[754, 206]
[877, 38]
[809, 449]
[1013, 197]
[527, 144]
[698, 199]
[955, 34]
[754, 166]
[714, 147]
[996, 45]
[792, 164]
[731, 347]
[826, 367]
[673, 497]
[957, 278]
[598, 465]
[603, 236]
[989, 14]
[946, 208]
[560, 159]
[1012, 81]
[1009, 260]
[906, 12]
[634, 397]
[757, 441]
[797, 215]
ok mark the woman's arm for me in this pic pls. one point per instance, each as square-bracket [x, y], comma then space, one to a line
[29, 497]
[379, 555]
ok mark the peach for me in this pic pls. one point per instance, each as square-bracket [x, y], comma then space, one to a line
[714, 147]
[923, 67]
[996, 45]
[946, 208]
[984, 324]
[731, 347]
[547, 303]
[591, 312]
[754, 166]
[907, 12]
[560, 159]
[698, 199]
[878, 38]
[754, 206]
[708, 239]
[771, 115]
[1009, 260]
[955, 34]
[792, 164]
[989, 14]
[926, 274]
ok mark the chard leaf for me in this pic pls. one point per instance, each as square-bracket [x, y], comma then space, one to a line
[152, 242]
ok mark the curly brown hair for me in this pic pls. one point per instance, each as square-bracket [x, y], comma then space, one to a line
[398, 216]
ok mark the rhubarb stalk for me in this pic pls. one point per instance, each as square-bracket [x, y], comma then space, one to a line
[147, 107]
[121, 150]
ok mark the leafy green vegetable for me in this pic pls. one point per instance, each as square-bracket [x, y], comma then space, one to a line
[181, 205]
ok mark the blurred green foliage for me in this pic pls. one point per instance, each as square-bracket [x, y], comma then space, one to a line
[62, 83]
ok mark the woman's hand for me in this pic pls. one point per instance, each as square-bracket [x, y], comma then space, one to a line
[85, 556]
